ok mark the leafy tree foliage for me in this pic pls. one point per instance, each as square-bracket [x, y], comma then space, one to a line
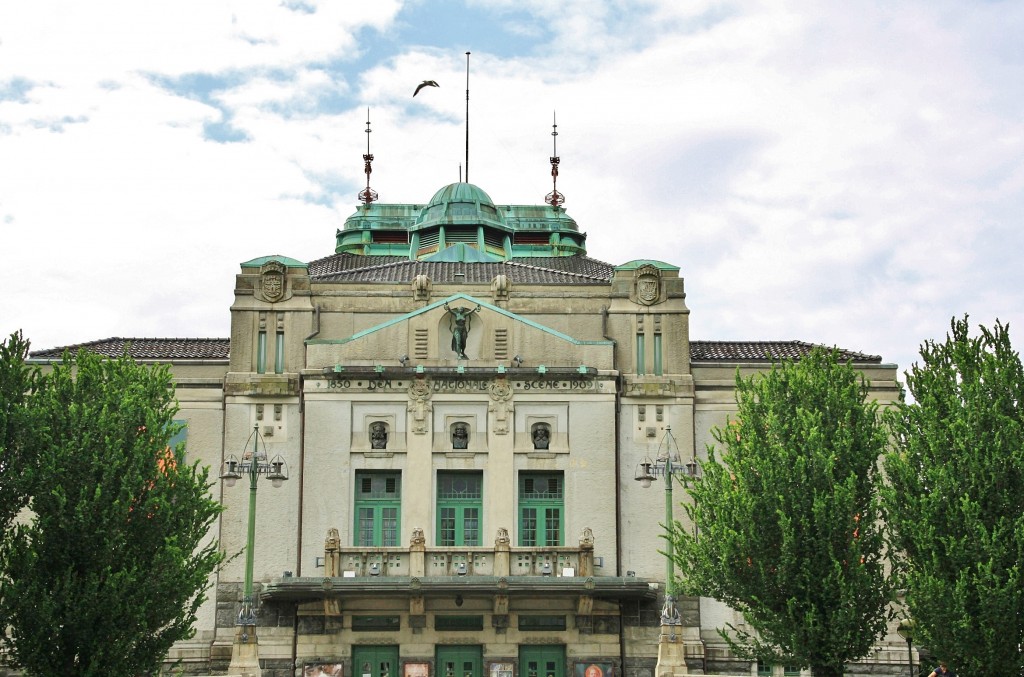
[789, 517]
[956, 502]
[115, 562]
[17, 380]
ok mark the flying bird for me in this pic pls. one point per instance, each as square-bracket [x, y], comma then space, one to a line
[425, 83]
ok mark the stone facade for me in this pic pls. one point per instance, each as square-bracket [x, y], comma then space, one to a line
[475, 514]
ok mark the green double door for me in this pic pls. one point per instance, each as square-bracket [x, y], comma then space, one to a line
[541, 661]
[460, 661]
[375, 661]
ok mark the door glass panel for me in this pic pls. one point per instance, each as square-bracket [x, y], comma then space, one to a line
[552, 526]
[471, 526]
[447, 526]
[389, 527]
[366, 528]
[529, 531]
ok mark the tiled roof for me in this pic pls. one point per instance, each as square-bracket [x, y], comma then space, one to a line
[337, 263]
[147, 348]
[218, 349]
[763, 351]
[529, 270]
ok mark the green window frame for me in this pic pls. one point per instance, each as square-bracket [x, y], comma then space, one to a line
[180, 437]
[658, 367]
[378, 509]
[641, 353]
[766, 670]
[279, 353]
[459, 508]
[261, 352]
[541, 509]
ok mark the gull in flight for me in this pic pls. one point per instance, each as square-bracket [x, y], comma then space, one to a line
[425, 83]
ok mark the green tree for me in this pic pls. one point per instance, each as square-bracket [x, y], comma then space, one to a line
[17, 380]
[116, 559]
[789, 517]
[956, 499]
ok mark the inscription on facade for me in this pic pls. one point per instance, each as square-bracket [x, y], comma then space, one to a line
[458, 385]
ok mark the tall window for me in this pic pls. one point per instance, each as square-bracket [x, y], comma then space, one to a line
[279, 353]
[541, 509]
[377, 508]
[641, 353]
[459, 507]
[658, 368]
[178, 438]
[261, 352]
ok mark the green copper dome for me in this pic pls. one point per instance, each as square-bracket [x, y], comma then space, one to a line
[463, 218]
[461, 192]
[460, 204]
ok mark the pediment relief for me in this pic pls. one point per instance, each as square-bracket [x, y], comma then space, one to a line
[461, 331]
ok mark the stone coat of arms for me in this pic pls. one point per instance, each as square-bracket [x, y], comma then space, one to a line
[648, 285]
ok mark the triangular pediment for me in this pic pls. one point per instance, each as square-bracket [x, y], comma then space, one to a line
[489, 335]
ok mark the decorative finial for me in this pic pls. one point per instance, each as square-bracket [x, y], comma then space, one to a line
[367, 195]
[554, 198]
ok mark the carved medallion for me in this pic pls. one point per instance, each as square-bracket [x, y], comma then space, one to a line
[648, 285]
[272, 281]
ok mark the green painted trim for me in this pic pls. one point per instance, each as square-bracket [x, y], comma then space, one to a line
[633, 265]
[263, 260]
[261, 352]
[450, 299]
[460, 251]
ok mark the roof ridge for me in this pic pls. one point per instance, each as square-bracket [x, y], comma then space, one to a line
[377, 266]
[555, 270]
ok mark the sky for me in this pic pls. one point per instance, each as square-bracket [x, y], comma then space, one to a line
[845, 173]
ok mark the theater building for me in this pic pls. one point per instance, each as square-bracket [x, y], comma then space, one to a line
[461, 399]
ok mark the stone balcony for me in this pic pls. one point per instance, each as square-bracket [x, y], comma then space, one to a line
[417, 569]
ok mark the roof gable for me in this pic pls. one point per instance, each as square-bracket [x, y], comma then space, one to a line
[451, 299]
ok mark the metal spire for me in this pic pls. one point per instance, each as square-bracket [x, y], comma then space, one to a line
[367, 195]
[554, 198]
[467, 117]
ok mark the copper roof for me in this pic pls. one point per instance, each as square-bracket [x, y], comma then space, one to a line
[764, 351]
[147, 348]
[529, 270]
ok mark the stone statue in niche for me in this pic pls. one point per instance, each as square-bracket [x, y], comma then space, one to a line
[460, 436]
[541, 436]
[378, 435]
[460, 323]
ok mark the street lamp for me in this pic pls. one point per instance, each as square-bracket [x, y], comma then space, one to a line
[906, 631]
[667, 464]
[253, 464]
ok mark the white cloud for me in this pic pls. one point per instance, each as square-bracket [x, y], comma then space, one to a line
[845, 174]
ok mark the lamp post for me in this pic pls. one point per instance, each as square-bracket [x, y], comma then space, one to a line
[245, 654]
[668, 464]
[906, 631]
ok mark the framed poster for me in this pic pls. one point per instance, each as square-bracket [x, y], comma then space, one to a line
[502, 669]
[417, 670]
[323, 670]
[595, 669]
